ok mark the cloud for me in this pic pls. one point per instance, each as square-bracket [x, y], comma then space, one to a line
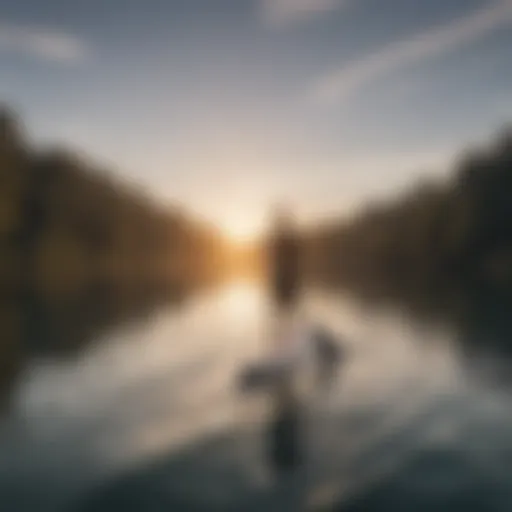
[41, 43]
[279, 13]
[339, 85]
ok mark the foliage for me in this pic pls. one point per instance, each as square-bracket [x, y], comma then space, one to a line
[435, 235]
[65, 224]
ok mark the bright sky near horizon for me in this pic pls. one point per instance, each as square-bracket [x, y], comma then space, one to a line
[230, 105]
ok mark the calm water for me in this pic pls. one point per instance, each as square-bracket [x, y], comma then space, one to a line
[149, 418]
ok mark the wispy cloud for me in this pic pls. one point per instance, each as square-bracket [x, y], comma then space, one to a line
[337, 86]
[279, 13]
[46, 44]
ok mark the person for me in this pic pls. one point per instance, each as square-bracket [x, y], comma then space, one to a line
[284, 260]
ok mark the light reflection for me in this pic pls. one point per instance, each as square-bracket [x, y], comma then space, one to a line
[240, 300]
[172, 388]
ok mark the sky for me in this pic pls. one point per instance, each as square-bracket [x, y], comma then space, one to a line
[229, 106]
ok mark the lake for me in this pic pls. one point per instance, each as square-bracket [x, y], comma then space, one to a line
[147, 415]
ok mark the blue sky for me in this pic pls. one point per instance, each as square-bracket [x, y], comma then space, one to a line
[230, 105]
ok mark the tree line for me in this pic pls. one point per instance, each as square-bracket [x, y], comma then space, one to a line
[439, 234]
[66, 224]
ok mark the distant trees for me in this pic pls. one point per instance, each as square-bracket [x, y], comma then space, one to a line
[64, 224]
[437, 233]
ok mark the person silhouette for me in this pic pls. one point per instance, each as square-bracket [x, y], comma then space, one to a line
[284, 260]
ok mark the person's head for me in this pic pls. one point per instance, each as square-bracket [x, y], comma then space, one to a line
[282, 219]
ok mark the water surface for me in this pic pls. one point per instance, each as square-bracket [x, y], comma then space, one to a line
[147, 416]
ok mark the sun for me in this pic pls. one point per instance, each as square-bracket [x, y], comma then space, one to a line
[242, 229]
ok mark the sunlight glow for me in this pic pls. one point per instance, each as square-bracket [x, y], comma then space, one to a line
[242, 228]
